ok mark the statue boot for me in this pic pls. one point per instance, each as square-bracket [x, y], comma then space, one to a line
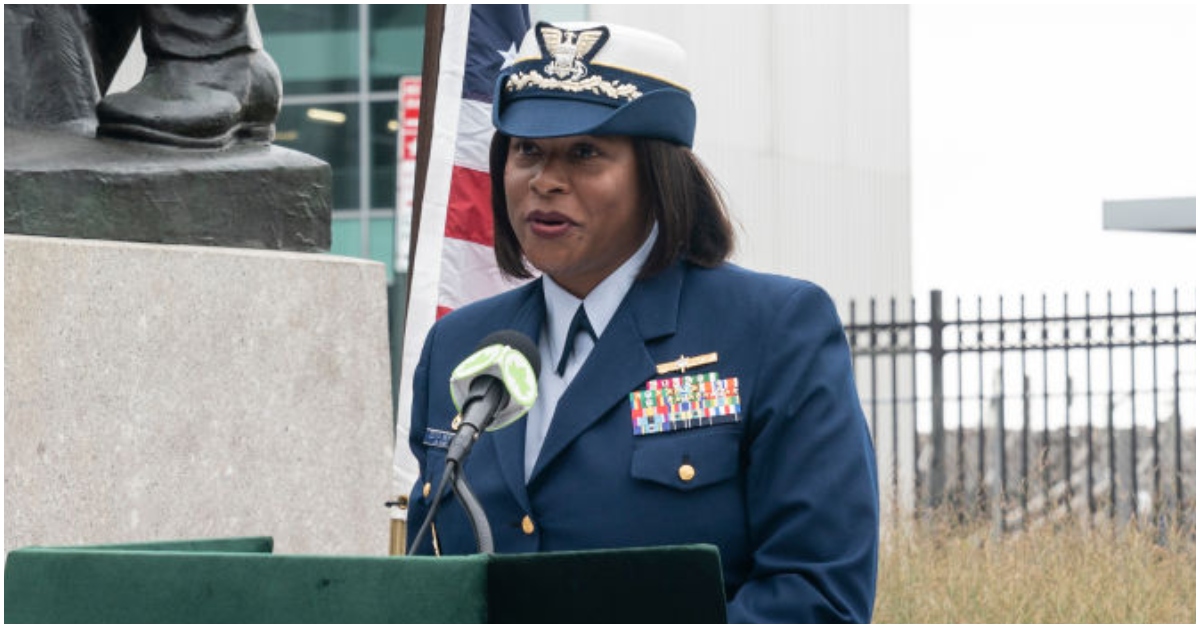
[198, 103]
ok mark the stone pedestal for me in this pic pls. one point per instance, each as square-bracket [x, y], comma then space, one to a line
[168, 392]
[65, 184]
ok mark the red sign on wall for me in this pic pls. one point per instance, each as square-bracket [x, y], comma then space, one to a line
[406, 164]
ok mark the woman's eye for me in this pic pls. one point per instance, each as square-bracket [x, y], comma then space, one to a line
[525, 148]
[585, 151]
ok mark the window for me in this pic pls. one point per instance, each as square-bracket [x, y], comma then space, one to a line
[341, 67]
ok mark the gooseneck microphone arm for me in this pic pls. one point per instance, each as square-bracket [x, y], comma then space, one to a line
[479, 522]
[478, 412]
[477, 380]
[486, 395]
[462, 491]
[433, 508]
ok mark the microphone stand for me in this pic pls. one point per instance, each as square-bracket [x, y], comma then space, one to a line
[462, 491]
[479, 522]
[492, 394]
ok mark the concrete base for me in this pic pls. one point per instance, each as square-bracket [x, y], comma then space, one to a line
[174, 392]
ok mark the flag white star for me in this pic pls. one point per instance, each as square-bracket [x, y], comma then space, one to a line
[509, 56]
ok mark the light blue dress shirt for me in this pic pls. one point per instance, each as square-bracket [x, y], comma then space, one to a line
[600, 304]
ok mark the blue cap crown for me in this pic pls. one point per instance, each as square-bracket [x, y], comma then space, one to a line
[592, 79]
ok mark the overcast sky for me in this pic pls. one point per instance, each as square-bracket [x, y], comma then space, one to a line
[1025, 119]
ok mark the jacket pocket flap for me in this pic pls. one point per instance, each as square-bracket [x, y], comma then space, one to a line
[687, 460]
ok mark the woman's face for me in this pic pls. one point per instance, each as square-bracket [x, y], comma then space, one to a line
[574, 205]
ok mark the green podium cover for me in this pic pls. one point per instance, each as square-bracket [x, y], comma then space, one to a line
[242, 581]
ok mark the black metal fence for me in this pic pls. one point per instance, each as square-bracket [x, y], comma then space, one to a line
[1021, 411]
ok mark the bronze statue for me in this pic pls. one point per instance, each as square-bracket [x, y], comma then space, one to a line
[184, 157]
[208, 82]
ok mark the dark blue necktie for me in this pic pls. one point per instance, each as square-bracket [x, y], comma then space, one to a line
[579, 324]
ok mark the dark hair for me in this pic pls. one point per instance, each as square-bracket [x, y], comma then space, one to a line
[693, 223]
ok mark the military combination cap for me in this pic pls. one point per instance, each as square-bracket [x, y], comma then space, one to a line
[593, 79]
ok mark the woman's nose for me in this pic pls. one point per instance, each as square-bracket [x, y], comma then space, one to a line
[549, 178]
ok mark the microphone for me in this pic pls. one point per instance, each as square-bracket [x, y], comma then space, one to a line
[492, 388]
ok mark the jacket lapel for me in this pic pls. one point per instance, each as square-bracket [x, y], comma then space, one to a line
[509, 443]
[619, 363]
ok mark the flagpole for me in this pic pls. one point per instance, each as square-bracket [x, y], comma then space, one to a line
[450, 251]
[435, 19]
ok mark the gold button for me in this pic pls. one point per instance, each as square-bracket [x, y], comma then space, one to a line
[687, 472]
[456, 423]
[527, 525]
[425, 489]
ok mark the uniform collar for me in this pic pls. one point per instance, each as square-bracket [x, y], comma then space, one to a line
[600, 304]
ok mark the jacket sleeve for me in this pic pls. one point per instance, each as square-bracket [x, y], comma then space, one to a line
[811, 491]
[418, 421]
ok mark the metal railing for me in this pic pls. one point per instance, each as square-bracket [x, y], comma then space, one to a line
[1084, 408]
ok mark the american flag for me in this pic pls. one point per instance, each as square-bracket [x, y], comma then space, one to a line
[454, 264]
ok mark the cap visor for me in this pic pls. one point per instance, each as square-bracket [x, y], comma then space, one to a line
[551, 117]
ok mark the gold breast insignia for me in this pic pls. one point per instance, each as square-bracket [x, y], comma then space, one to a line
[684, 363]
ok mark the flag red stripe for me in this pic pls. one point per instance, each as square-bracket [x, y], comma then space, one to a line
[469, 209]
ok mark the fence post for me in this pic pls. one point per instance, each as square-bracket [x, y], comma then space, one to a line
[937, 463]
[999, 476]
[1178, 418]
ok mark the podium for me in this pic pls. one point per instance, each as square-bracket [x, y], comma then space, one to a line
[240, 580]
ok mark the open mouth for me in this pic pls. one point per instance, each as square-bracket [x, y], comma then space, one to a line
[549, 224]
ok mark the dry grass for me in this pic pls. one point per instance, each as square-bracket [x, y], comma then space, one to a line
[940, 573]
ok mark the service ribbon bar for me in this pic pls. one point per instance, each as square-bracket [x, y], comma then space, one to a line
[684, 402]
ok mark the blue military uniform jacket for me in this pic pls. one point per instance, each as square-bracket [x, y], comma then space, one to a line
[785, 486]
